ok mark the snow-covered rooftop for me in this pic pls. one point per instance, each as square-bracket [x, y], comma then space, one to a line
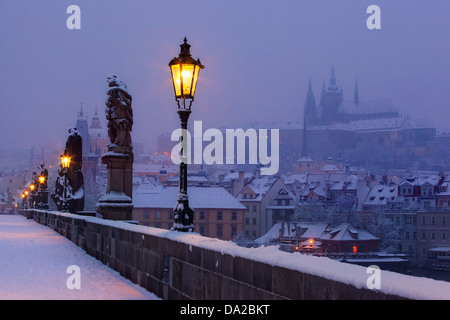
[202, 198]
[381, 195]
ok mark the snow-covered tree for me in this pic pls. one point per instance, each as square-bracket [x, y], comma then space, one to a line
[381, 226]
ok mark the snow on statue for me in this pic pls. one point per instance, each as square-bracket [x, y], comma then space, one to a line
[119, 115]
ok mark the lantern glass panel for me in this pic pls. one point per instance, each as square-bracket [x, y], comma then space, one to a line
[176, 78]
[194, 82]
[187, 75]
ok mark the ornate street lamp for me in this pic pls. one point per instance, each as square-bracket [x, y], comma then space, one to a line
[65, 163]
[185, 71]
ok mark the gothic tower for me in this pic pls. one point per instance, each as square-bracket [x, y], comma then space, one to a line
[82, 128]
[310, 112]
[330, 100]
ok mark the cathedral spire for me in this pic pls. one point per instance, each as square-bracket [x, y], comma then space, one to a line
[309, 116]
[332, 86]
[356, 95]
[310, 104]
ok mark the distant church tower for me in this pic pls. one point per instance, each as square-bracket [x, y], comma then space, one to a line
[82, 127]
[310, 111]
[330, 100]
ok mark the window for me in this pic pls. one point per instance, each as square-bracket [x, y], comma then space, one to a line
[158, 214]
[254, 208]
[146, 215]
[219, 215]
[247, 221]
[254, 220]
[170, 215]
[424, 221]
[233, 216]
[433, 220]
[444, 236]
[233, 231]
[444, 220]
[287, 202]
[414, 236]
[424, 236]
[202, 215]
[219, 230]
[397, 220]
[279, 202]
[202, 230]
[407, 236]
[433, 236]
[254, 234]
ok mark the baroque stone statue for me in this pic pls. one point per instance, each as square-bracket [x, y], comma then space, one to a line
[69, 185]
[117, 203]
[119, 115]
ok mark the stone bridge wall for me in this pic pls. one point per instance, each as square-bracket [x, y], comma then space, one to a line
[176, 265]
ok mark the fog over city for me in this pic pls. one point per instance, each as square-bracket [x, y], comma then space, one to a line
[259, 57]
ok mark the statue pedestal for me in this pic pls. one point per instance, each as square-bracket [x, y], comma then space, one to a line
[117, 203]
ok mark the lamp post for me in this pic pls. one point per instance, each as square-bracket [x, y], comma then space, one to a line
[41, 192]
[33, 195]
[65, 163]
[185, 71]
[26, 199]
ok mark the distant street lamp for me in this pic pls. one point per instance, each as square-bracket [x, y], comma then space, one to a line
[41, 192]
[65, 163]
[26, 199]
[185, 71]
[32, 194]
[23, 201]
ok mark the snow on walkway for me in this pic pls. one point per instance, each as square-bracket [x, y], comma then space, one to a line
[33, 265]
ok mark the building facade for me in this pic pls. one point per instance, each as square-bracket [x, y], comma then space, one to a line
[217, 214]
[433, 230]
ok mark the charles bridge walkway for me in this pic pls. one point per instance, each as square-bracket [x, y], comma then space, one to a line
[175, 265]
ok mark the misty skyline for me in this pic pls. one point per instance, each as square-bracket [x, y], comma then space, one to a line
[259, 56]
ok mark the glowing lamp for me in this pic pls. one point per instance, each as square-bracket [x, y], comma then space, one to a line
[65, 161]
[185, 71]
[26, 192]
[41, 179]
[32, 187]
[355, 249]
[23, 196]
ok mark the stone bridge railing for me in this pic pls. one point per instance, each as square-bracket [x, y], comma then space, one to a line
[176, 265]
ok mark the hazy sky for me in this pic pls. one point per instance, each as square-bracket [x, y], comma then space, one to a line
[258, 55]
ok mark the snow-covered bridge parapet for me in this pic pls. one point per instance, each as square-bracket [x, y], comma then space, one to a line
[177, 265]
